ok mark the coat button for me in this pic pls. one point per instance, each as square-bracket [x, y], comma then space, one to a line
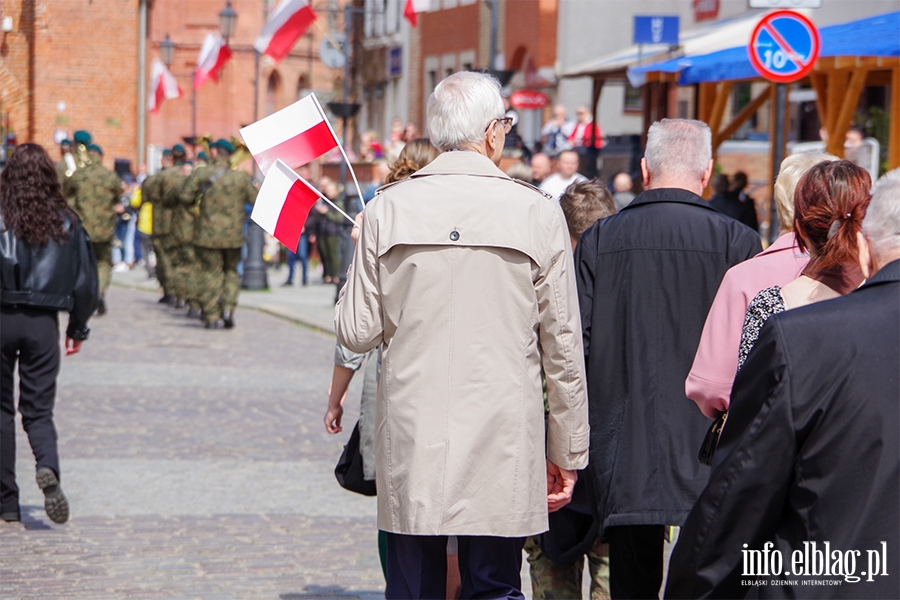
[454, 235]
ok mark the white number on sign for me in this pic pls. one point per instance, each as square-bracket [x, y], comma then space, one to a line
[777, 59]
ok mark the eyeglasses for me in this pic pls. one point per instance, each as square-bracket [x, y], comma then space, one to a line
[505, 122]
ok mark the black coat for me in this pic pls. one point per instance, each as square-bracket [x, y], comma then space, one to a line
[731, 204]
[809, 453]
[646, 279]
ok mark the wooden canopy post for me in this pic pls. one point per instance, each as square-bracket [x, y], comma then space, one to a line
[739, 119]
[894, 126]
[842, 120]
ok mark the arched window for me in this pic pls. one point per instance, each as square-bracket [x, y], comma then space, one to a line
[272, 93]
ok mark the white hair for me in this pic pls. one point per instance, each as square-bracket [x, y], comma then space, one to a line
[792, 169]
[678, 147]
[881, 225]
[461, 108]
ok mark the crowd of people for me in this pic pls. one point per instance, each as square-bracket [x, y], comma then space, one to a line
[554, 366]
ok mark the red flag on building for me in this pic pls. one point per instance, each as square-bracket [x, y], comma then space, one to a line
[163, 86]
[285, 26]
[213, 55]
[413, 8]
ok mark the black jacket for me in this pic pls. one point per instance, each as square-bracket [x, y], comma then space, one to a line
[809, 453]
[730, 203]
[646, 279]
[53, 276]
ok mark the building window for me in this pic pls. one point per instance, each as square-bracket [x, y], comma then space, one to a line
[432, 80]
[634, 100]
[272, 93]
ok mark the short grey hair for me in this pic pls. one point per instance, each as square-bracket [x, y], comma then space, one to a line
[881, 225]
[461, 108]
[792, 169]
[680, 147]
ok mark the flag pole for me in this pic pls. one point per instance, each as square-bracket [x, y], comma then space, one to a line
[343, 153]
[335, 207]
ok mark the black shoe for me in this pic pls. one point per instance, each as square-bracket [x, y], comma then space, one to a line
[287, 283]
[228, 319]
[165, 299]
[101, 306]
[10, 515]
[305, 282]
[55, 502]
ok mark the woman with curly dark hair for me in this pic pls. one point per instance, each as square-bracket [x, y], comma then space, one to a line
[46, 265]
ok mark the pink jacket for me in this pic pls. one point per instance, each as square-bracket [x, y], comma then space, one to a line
[715, 364]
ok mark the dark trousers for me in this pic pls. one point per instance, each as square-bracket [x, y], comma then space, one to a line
[29, 336]
[635, 560]
[489, 567]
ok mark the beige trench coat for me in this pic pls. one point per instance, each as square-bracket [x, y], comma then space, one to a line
[467, 277]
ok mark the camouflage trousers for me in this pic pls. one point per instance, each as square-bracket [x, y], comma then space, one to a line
[554, 582]
[163, 262]
[103, 253]
[219, 282]
[185, 274]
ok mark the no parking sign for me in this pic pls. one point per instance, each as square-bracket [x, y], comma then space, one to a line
[784, 46]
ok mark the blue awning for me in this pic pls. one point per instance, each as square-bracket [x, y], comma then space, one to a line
[872, 36]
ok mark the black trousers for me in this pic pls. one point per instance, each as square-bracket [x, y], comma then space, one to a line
[635, 560]
[489, 567]
[29, 337]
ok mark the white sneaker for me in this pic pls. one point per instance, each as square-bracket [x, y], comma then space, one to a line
[120, 267]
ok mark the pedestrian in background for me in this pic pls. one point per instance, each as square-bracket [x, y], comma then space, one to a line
[555, 132]
[646, 278]
[465, 276]
[556, 557]
[810, 452]
[94, 192]
[716, 360]
[566, 174]
[46, 265]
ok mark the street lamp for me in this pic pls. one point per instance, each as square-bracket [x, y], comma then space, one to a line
[227, 20]
[167, 51]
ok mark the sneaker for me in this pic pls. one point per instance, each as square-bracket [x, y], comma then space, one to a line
[55, 502]
[120, 268]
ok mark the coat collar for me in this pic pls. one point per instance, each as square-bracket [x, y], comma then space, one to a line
[461, 162]
[668, 195]
[889, 273]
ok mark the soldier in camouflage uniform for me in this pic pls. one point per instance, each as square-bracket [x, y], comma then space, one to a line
[152, 191]
[94, 193]
[185, 270]
[550, 581]
[65, 148]
[221, 194]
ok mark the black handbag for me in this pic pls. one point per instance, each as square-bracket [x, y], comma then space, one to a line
[711, 441]
[349, 469]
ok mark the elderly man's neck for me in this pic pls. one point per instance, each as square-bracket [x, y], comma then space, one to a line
[684, 183]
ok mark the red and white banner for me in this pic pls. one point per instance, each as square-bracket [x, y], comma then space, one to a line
[213, 56]
[296, 134]
[285, 26]
[413, 8]
[283, 203]
[163, 86]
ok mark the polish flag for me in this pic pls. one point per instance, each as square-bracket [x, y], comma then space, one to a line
[163, 86]
[296, 134]
[285, 26]
[413, 8]
[213, 56]
[283, 203]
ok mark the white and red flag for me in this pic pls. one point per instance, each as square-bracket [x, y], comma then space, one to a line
[285, 26]
[163, 86]
[213, 55]
[296, 134]
[283, 204]
[413, 8]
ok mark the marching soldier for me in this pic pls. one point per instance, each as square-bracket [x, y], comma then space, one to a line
[94, 192]
[152, 192]
[220, 193]
[180, 244]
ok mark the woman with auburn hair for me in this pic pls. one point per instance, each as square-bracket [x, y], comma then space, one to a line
[416, 154]
[46, 265]
[830, 203]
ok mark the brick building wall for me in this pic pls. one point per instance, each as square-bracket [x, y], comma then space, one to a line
[72, 64]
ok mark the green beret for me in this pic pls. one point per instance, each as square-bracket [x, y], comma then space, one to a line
[202, 156]
[95, 148]
[66, 142]
[225, 145]
[178, 149]
[82, 137]
[167, 152]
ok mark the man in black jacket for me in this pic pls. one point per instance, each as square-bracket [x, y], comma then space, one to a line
[646, 279]
[808, 462]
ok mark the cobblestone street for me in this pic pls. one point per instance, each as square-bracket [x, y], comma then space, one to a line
[196, 465]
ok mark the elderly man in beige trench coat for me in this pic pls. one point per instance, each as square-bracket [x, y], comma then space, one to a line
[466, 276]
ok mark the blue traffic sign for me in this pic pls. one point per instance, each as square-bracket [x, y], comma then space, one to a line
[655, 30]
[784, 46]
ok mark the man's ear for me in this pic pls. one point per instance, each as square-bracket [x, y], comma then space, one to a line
[645, 174]
[865, 255]
[707, 174]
